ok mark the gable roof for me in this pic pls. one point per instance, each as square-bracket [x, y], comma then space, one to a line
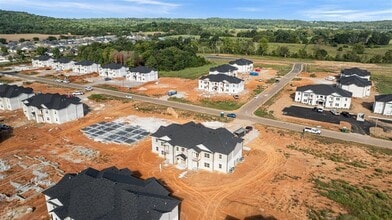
[241, 62]
[110, 194]
[42, 58]
[225, 68]
[63, 60]
[113, 66]
[383, 98]
[141, 69]
[323, 89]
[221, 77]
[11, 91]
[355, 71]
[358, 81]
[51, 101]
[190, 135]
[85, 63]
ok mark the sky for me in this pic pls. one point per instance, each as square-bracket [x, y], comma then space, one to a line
[308, 10]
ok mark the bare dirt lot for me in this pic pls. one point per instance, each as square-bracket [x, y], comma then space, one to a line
[275, 180]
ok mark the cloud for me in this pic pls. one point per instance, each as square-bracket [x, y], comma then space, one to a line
[249, 9]
[153, 2]
[336, 14]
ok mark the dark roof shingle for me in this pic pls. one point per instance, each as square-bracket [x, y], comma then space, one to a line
[225, 68]
[42, 58]
[141, 69]
[12, 91]
[241, 62]
[63, 60]
[355, 80]
[383, 98]
[113, 66]
[323, 89]
[85, 63]
[51, 101]
[221, 78]
[355, 71]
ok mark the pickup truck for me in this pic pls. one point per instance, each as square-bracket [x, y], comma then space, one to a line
[312, 130]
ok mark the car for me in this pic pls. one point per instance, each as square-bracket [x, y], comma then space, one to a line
[236, 96]
[248, 129]
[88, 88]
[66, 81]
[107, 79]
[231, 115]
[318, 109]
[312, 130]
[128, 97]
[345, 114]
[335, 112]
[78, 93]
[58, 80]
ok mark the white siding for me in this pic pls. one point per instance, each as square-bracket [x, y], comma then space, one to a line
[142, 77]
[358, 92]
[329, 101]
[244, 68]
[173, 215]
[384, 108]
[221, 87]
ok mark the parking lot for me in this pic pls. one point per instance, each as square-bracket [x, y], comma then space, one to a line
[361, 127]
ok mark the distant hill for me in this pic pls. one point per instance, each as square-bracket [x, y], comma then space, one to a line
[12, 22]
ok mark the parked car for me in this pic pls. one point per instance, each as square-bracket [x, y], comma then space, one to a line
[128, 97]
[236, 96]
[330, 78]
[231, 115]
[312, 130]
[58, 80]
[345, 114]
[335, 112]
[78, 93]
[66, 81]
[318, 109]
[107, 79]
[248, 129]
[88, 88]
[171, 92]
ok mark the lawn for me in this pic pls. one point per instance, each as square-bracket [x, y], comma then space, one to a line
[222, 105]
[188, 73]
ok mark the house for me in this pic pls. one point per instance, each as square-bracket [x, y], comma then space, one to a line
[383, 104]
[11, 96]
[359, 87]
[142, 74]
[243, 65]
[355, 72]
[194, 146]
[110, 194]
[113, 70]
[63, 63]
[85, 67]
[52, 108]
[4, 59]
[327, 96]
[221, 83]
[224, 69]
[42, 61]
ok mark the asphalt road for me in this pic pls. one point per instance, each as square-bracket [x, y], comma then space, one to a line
[263, 97]
[363, 139]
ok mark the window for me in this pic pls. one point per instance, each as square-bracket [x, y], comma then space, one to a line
[220, 166]
[156, 148]
[337, 104]
[47, 118]
[207, 165]
[163, 152]
[337, 99]
[206, 155]
[182, 149]
[220, 156]
[177, 149]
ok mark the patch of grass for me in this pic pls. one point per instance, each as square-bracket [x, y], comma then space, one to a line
[176, 99]
[188, 73]
[378, 150]
[357, 163]
[313, 75]
[378, 170]
[282, 70]
[263, 112]
[106, 86]
[319, 214]
[297, 79]
[383, 83]
[104, 98]
[259, 89]
[340, 168]
[222, 105]
[361, 203]
[6, 80]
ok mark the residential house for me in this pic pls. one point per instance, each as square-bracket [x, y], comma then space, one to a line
[142, 74]
[42, 61]
[63, 63]
[224, 69]
[243, 65]
[85, 67]
[355, 72]
[359, 87]
[4, 59]
[11, 96]
[110, 194]
[221, 83]
[113, 70]
[53, 108]
[327, 96]
[383, 104]
[194, 146]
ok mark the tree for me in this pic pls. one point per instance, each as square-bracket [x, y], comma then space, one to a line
[21, 40]
[282, 51]
[35, 38]
[4, 50]
[263, 46]
[358, 48]
[41, 50]
[388, 57]
[376, 59]
[302, 53]
[51, 38]
[56, 53]
[320, 54]
[3, 40]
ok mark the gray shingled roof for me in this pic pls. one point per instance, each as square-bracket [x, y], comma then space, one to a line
[355, 80]
[241, 62]
[190, 135]
[110, 194]
[224, 68]
[113, 66]
[323, 89]
[383, 98]
[63, 60]
[141, 69]
[42, 58]
[51, 101]
[11, 91]
[355, 71]
[85, 63]
[221, 78]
